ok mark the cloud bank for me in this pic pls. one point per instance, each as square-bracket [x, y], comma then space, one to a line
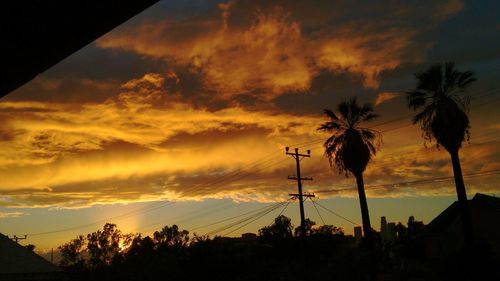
[147, 144]
[263, 50]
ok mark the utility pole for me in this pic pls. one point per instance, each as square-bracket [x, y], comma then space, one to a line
[299, 180]
[15, 238]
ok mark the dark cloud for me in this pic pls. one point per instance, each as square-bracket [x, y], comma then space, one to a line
[264, 49]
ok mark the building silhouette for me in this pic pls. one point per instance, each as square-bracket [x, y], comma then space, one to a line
[19, 263]
[414, 226]
[358, 232]
[249, 236]
[444, 234]
[383, 226]
[387, 230]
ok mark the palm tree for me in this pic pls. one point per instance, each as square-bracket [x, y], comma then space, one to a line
[350, 147]
[443, 107]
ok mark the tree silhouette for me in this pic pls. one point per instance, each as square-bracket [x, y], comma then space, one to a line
[309, 224]
[103, 246]
[350, 147]
[280, 229]
[443, 106]
[72, 252]
[328, 230]
[171, 236]
[30, 247]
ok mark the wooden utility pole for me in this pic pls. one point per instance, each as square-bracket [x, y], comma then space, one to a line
[299, 180]
[15, 238]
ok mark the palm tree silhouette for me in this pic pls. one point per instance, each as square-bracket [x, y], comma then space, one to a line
[351, 147]
[439, 96]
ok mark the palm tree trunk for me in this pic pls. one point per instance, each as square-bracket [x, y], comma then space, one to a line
[462, 199]
[367, 229]
[365, 215]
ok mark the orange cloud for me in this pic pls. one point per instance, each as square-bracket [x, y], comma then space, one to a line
[132, 135]
[271, 54]
[145, 144]
[130, 149]
[266, 57]
[386, 96]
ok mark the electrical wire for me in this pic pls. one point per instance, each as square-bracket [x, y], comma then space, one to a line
[229, 219]
[138, 211]
[251, 221]
[283, 210]
[317, 211]
[250, 217]
[336, 214]
[423, 181]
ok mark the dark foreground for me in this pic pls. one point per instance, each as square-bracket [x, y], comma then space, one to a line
[326, 257]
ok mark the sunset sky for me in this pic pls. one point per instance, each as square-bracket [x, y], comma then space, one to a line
[182, 115]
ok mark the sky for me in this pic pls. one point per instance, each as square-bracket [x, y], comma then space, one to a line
[182, 115]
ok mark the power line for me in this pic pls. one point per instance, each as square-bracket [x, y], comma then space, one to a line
[395, 120]
[257, 215]
[232, 224]
[485, 93]
[190, 216]
[317, 211]
[251, 221]
[139, 210]
[438, 179]
[423, 181]
[234, 174]
[282, 211]
[391, 121]
[396, 128]
[427, 150]
[241, 177]
[231, 218]
[336, 214]
[488, 102]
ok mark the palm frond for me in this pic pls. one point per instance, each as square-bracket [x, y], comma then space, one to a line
[427, 113]
[368, 134]
[373, 149]
[416, 99]
[349, 147]
[365, 111]
[431, 79]
[331, 114]
[370, 117]
[465, 79]
[329, 126]
[439, 95]
[372, 138]
[344, 110]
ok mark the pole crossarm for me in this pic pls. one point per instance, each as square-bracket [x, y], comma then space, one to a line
[298, 154]
[304, 196]
[296, 178]
[17, 238]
